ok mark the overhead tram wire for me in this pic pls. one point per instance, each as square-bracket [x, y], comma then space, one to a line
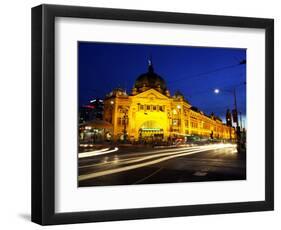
[243, 62]
[208, 90]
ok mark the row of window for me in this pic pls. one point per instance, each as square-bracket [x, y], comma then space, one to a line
[122, 121]
[159, 108]
[195, 125]
[175, 122]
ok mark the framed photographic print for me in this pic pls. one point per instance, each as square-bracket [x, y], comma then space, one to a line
[142, 114]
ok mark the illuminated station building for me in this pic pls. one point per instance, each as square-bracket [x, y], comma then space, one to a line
[151, 113]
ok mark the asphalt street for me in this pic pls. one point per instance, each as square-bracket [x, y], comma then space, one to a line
[132, 165]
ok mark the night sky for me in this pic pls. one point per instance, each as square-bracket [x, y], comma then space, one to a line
[195, 71]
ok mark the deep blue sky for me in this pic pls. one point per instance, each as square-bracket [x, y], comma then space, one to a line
[195, 71]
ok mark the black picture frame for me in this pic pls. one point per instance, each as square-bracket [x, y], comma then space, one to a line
[43, 114]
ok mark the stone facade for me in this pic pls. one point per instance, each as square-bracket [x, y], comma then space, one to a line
[150, 113]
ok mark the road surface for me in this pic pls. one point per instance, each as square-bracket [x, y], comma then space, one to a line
[132, 165]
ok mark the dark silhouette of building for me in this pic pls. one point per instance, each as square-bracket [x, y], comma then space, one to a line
[91, 111]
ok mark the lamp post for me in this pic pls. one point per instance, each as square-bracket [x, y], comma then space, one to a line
[235, 112]
[241, 123]
[179, 117]
[125, 118]
[176, 118]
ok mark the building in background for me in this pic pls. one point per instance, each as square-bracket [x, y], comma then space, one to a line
[92, 111]
[150, 113]
[92, 127]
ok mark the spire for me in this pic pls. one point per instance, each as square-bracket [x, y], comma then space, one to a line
[150, 66]
[228, 118]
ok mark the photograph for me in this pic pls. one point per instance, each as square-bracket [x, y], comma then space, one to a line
[142, 114]
[151, 114]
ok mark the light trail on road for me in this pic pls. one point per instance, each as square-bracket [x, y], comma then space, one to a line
[140, 158]
[160, 158]
[97, 152]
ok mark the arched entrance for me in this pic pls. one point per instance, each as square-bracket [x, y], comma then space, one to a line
[151, 131]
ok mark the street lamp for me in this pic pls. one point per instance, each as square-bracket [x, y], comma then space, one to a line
[216, 91]
[125, 120]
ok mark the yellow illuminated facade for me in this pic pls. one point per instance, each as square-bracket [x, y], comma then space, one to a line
[151, 113]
